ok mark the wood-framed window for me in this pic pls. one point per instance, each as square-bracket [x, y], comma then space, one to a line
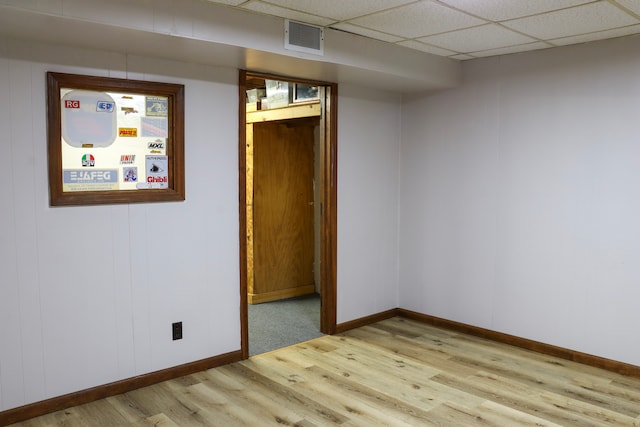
[114, 140]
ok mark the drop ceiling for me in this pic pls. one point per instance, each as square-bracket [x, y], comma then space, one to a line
[463, 29]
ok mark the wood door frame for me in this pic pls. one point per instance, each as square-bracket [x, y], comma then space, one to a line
[328, 195]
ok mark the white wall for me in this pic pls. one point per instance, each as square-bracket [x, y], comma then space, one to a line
[368, 146]
[88, 294]
[520, 198]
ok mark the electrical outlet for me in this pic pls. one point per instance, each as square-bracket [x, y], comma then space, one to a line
[176, 328]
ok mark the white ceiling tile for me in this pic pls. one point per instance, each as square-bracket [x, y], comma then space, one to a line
[340, 10]
[568, 22]
[632, 5]
[350, 28]
[443, 27]
[490, 36]
[501, 10]
[601, 35]
[513, 49]
[270, 9]
[418, 19]
[413, 44]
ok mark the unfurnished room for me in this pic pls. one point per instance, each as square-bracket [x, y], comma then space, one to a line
[319, 212]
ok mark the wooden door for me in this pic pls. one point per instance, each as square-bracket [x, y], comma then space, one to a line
[283, 225]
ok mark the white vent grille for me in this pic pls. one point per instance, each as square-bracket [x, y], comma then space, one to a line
[303, 37]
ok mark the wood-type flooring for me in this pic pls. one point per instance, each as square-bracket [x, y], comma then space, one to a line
[397, 372]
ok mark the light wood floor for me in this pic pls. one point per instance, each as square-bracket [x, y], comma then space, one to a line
[397, 372]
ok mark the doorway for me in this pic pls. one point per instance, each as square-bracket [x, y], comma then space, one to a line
[279, 262]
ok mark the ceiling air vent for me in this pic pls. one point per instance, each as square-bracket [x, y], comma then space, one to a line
[303, 37]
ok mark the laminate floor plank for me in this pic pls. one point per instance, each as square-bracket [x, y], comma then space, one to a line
[315, 410]
[172, 400]
[339, 400]
[582, 389]
[362, 401]
[267, 407]
[519, 359]
[521, 397]
[583, 383]
[500, 415]
[355, 401]
[397, 372]
[127, 409]
[160, 420]
[587, 385]
[394, 377]
[432, 355]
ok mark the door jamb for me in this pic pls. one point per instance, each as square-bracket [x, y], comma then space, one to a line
[329, 198]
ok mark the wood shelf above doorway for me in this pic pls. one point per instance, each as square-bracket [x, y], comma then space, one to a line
[295, 111]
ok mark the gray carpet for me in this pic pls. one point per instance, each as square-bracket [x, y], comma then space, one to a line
[278, 324]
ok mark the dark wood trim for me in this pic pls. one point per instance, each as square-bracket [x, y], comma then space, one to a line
[329, 243]
[174, 141]
[242, 212]
[329, 195]
[100, 392]
[58, 403]
[367, 320]
[524, 343]
[527, 344]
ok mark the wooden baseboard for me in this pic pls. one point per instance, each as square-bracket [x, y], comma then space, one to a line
[364, 321]
[57, 403]
[100, 392]
[527, 344]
